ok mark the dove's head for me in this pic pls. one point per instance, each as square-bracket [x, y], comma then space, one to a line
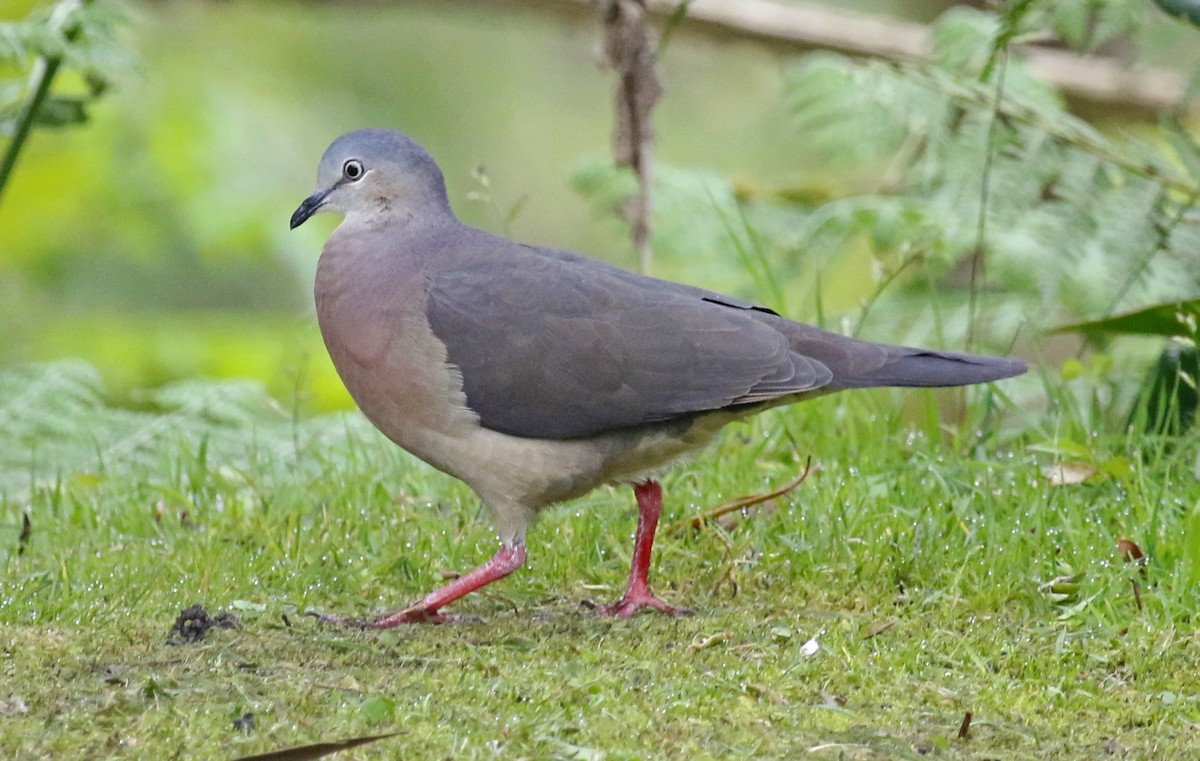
[374, 176]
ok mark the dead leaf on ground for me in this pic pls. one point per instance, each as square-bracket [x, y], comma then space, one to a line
[711, 640]
[1129, 550]
[1069, 473]
[879, 627]
[762, 692]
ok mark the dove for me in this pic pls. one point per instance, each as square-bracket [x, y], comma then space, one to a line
[535, 375]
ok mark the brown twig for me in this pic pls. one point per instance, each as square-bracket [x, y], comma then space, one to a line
[629, 52]
[965, 727]
[1131, 553]
[700, 521]
[26, 534]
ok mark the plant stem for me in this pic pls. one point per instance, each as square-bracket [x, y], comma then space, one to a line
[979, 255]
[43, 74]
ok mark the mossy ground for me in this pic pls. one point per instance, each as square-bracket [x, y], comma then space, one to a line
[915, 562]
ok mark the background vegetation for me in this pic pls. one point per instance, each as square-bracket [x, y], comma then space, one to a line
[171, 431]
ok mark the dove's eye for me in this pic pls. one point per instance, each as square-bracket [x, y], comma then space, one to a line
[352, 170]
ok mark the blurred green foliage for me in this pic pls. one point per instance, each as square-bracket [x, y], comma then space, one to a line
[74, 40]
[154, 242]
[984, 211]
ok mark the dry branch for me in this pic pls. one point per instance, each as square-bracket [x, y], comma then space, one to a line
[1089, 82]
[629, 51]
[741, 503]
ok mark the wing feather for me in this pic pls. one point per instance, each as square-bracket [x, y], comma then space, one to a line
[556, 347]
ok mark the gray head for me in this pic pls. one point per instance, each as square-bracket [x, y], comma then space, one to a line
[376, 175]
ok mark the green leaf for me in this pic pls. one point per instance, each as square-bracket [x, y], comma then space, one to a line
[1071, 369]
[1088, 24]
[962, 36]
[1185, 147]
[1168, 399]
[61, 111]
[378, 709]
[1191, 547]
[1176, 319]
[1188, 10]
[672, 23]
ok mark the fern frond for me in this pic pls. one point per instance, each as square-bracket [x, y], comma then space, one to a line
[59, 427]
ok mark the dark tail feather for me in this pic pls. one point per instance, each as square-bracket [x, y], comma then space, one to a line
[922, 367]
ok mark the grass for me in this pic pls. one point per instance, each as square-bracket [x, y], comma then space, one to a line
[937, 574]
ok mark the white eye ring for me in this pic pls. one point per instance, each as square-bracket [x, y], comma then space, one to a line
[353, 170]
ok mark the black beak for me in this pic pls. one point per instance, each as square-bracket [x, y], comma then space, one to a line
[309, 207]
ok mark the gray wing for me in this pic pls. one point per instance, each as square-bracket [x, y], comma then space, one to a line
[551, 345]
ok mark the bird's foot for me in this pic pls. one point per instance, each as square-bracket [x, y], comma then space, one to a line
[425, 611]
[632, 602]
[637, 594]
[417, 614]
[414, 615]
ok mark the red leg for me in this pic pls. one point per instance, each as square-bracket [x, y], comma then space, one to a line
[638, 594]
[425, 611]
